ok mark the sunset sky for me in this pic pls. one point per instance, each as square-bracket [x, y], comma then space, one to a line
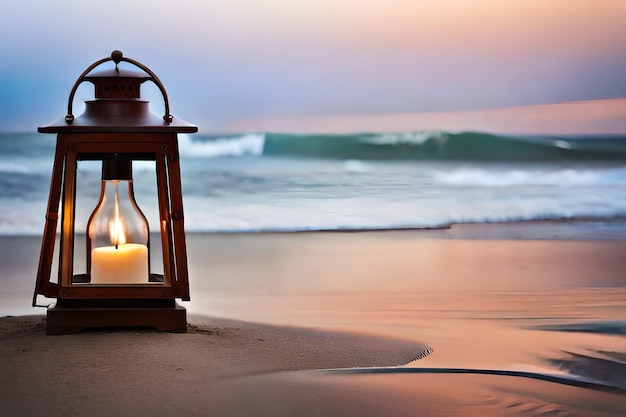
[230, 65]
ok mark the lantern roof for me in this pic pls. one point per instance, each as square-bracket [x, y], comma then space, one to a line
[117, 106]
[117, 73]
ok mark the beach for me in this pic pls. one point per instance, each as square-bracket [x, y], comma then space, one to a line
[469, 320]
[389, 209]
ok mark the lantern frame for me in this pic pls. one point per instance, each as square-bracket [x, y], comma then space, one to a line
[115, 123]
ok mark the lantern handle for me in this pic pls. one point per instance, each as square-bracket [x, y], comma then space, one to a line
[117, 57]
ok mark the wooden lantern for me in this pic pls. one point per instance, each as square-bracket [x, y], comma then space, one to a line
[118, 288]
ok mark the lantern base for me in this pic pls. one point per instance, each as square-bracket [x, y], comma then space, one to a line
[73, 316]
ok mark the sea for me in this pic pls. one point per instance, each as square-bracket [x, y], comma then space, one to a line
[278, 182]
[524, 275]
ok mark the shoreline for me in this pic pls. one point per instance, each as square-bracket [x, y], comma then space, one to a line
[553, 229]
[538, 229]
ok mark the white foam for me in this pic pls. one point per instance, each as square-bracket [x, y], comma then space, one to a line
[410, 138]
[21, 217]
[354, 166]
[506, 178]
[249, 144]
[14, 167]
[562, 144]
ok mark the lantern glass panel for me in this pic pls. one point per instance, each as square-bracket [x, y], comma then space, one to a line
[117, 233]
[89, 187]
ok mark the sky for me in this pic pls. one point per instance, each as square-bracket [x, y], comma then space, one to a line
[233, 65]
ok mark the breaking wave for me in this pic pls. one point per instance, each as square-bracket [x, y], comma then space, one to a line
[420, 145]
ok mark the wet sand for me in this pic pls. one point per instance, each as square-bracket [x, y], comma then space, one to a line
[544, 319]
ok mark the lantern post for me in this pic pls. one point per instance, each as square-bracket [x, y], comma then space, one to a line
[118, 287]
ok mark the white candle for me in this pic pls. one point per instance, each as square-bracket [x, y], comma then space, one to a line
[124, 264]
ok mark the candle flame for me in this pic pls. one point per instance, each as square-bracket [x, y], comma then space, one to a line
[116, 228]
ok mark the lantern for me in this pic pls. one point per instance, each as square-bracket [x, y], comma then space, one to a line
[118, 287]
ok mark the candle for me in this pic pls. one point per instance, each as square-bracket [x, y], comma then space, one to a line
[121, 264]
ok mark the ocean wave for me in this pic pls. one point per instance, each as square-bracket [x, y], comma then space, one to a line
[249, 144]
[417, 145]
[405, 138]
[602, 226]
[465, 176]
[243, 184]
